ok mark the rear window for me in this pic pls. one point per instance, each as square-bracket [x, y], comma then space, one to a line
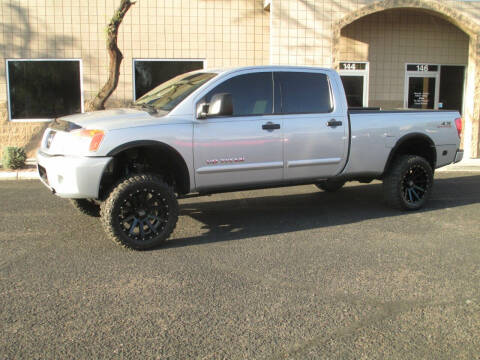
[302, 93]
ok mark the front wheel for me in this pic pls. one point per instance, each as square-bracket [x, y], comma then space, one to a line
[140, 213]
[408, 183]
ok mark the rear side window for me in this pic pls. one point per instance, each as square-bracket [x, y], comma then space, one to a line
[252, 94]
[302, 92]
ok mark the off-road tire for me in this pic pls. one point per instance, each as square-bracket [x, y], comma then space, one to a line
[140, 199]
[86, 206]
[330, 185]
[408, 183]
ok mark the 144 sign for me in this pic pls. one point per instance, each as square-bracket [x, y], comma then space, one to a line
[352, 66]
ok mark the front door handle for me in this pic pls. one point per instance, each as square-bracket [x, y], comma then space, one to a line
[270, 126]
[334, 123]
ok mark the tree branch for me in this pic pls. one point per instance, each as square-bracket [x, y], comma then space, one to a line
[116, 57]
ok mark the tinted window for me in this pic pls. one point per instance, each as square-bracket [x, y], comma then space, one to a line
[44, 89]
[303, 93]
[251, 93]
[149, 74]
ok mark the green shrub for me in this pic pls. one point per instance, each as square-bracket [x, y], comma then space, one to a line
[13, 157]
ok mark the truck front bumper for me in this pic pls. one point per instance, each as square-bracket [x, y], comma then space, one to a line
[458, 156]
[70, 176]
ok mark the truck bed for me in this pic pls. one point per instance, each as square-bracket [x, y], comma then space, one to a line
[373, 134]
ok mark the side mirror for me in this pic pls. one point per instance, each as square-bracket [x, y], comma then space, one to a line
[202, 111]
[221, 105]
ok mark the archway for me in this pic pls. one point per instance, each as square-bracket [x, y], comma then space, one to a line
[457, 21]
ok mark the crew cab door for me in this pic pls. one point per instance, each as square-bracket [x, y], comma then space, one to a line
[315, 130]
[245, 147]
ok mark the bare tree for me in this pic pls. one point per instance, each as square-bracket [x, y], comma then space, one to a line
[116, 57]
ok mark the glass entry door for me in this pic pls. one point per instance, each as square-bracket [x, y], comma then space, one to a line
[422, 86]
[354, 75]
[421, 92]
[354, 90]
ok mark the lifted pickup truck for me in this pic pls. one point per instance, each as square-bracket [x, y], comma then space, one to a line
[222, 130]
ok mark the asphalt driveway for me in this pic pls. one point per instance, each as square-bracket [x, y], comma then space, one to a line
[270, 274]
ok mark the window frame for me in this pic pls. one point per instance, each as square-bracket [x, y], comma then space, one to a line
[7, 61]
[330, 89]
[134, 60]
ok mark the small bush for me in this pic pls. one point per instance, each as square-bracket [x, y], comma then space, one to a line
[13, 157]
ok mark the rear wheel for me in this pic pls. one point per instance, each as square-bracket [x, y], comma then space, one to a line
[408, 183]
[140, 213]
[86, 206]
[330, 185]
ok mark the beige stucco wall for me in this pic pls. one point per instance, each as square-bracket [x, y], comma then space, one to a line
[302, 30]
[390, 39]
[223, 32]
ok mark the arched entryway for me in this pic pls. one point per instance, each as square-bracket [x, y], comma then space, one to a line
[388, 44]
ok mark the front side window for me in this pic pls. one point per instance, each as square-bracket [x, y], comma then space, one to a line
[169, 94]
[150, 73]
[43, 89]
[302, 92]
[252, 94]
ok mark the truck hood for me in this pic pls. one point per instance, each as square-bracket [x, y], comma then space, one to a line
[114, 119]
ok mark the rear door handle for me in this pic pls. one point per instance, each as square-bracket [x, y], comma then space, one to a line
[334, 123]
[270, 126]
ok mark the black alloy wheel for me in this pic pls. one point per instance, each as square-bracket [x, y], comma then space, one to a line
[415, 184]
[408, 183]
[141, 212]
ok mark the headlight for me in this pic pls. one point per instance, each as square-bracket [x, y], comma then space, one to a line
[95, 137]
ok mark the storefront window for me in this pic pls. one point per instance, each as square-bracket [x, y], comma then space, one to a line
[43, 89]
[150, 73]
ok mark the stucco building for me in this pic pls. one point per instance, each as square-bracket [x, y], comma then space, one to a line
[391, 53]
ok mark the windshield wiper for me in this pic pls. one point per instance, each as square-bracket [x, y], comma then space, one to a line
[146, 106]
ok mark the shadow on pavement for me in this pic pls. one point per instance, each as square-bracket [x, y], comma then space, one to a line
[226, 220]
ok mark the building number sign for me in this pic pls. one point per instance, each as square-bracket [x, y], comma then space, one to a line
[422, 67]
[352, 66]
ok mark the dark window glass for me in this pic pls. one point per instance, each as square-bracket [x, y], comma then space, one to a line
[303, 92]
[44, 89]
[421, 92]
[451, 87]
[353, 86]
[252, 94]
[149, 74]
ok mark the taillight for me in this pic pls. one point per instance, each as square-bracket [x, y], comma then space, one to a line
[458, 124]
[96, 137]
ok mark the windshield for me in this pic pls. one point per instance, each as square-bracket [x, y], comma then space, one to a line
[169, 94]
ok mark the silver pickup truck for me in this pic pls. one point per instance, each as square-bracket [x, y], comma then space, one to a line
[222, 130]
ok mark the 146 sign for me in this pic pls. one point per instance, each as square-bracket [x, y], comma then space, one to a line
[422, 67]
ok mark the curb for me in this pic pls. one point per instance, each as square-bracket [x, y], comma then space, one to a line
[29, 174]
[18, 175]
